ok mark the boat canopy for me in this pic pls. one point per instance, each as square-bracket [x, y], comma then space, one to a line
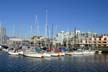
[63, 49]
[38, 49]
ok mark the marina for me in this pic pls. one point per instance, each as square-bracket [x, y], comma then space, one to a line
[53, 36]
[37, 51]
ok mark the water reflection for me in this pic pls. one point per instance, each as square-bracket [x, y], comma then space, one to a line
[84, 63]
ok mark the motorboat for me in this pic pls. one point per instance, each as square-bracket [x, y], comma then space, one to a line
[12, 52]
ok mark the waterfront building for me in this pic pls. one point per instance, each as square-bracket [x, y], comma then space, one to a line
[61, 36]
[38, 39]
[99, 41]
[12, 40]
[75, 38]
[80, 39]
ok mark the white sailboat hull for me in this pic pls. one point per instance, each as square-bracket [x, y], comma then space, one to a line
[46, 55]
[88, 52]
[61, 54]
[92, 52]
[20, 53]
[54, 54]
[68, 53]
[100, 52]
[5, 50]
[77, 53]
[34, 55]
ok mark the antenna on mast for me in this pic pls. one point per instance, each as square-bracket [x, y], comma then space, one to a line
[46, 25]
[13, 30]
[37, 28]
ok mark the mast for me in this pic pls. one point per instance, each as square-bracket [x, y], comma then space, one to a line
[0, 34]
[31, 33]
[55, 34]
[14, 35]
[37, 28]
[46, 29]
[74, 38]
[67, 41]
[52, 36]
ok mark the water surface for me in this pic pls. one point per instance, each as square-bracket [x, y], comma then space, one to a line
[91, 63]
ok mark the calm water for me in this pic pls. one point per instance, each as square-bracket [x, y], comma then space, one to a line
[93, 63]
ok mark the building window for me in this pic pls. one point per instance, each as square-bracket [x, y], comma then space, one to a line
[99, 38]
[99, 45]
[105, 45]
[104, 42]
[86, 42]
[99, 42]
[94, 42]
[89, 41]
[105, 38]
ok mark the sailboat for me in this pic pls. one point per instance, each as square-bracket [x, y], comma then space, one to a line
[78, 51]
[14, 50]
[55, 52]
[89, 51]
[33, 51]
[68, 52]
[45, 53]
[62, 52]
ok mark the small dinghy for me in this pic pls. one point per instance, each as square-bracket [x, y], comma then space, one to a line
[13, 53]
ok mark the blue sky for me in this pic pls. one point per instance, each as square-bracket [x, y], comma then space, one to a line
[87, 15]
